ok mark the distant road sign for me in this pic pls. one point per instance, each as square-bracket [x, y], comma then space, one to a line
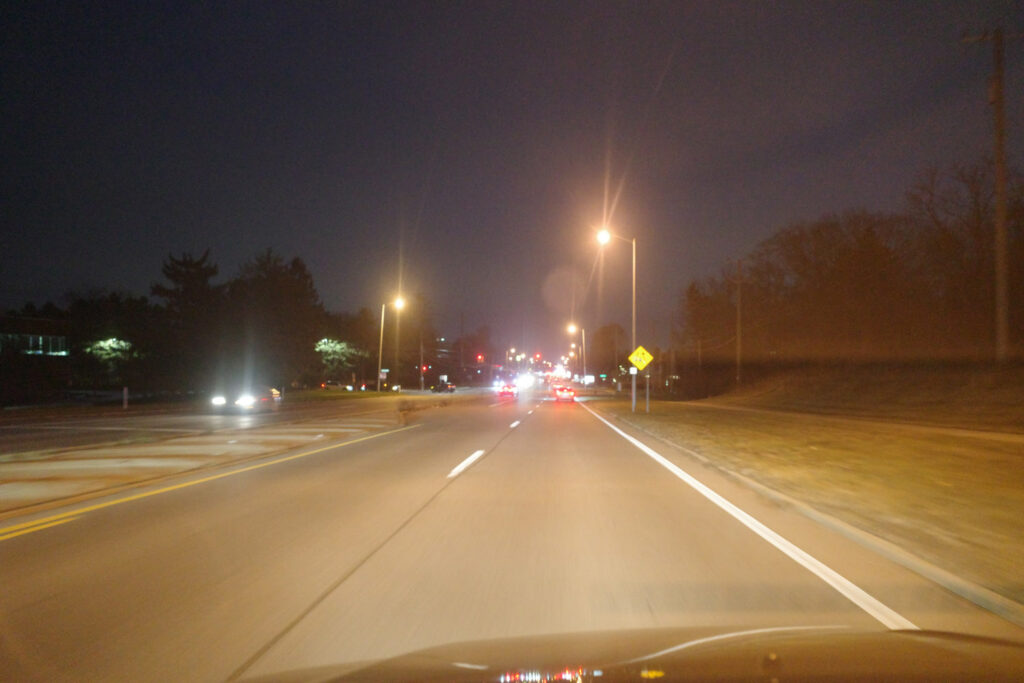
[640, 358]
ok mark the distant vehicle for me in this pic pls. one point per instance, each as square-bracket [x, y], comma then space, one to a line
[443, 387]
[508, 391]
[564, 393]
[335, 385]
[249, 399]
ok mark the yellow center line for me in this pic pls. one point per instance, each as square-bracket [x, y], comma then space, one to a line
[36, 527]
[52, 520]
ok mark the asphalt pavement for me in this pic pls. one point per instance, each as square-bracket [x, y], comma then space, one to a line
[483, 520]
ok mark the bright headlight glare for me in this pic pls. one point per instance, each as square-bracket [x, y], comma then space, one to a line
[218, 400]
[524, 381]
[245, 400]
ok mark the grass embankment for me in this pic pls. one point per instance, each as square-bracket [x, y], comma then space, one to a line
[971, 397]
[945, 494]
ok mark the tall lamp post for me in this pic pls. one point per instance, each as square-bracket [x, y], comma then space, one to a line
[604, 236]
[583, 349]
[398, 303]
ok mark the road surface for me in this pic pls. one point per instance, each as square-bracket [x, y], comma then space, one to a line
[484, 520]
[60, 429]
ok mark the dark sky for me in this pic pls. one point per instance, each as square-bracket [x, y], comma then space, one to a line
[477, 144]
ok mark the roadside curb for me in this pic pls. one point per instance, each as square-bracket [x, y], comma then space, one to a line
[979, 595]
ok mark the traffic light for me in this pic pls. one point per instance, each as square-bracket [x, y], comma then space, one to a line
[423, 368]
[479, 358]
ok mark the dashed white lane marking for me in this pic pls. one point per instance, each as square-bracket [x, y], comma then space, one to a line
[514, 424]
[465, 463]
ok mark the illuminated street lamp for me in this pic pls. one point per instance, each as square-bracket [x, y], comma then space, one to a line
[571, 328]
[399, 304]
[604, 236]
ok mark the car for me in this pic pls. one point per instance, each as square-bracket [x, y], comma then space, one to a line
[564, 393]
[508, 391]
[248, 399]
[701, 653]
[443, 387]
[332, 384]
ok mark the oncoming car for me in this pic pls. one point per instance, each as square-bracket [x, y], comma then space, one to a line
[247, 400]
[564, 393]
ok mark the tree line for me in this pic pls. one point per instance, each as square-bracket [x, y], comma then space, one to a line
[917, 284]
[267, 322]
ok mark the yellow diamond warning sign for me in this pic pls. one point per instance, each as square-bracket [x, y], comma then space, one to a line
[640, 358]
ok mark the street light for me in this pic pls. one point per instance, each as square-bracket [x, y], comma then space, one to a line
[571, 328]
[604, 236]
[399, 304]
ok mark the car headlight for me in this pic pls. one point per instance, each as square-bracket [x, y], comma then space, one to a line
[218, 400]
[245, 401]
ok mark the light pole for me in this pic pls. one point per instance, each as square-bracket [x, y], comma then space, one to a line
[583, 349]
[398, 304]
[603, 237]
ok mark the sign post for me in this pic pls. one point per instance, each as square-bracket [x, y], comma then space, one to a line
[640, 358]
[647, 379]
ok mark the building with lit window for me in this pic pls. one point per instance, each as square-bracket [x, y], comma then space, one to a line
[34, 362]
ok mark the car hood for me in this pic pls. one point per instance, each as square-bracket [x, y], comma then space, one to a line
[783, 654]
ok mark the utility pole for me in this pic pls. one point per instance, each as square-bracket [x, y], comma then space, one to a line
[999, 113]
[462, 344]
[583, 349]
[380, 349]
[396, 377]
[739, 321]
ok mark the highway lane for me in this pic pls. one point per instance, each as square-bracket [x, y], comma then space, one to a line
[371, 549]
[188, 583]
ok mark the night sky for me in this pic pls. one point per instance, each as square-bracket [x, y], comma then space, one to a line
[468, 151]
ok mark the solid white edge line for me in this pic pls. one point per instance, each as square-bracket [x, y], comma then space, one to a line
[464, 464]
[858, 596]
